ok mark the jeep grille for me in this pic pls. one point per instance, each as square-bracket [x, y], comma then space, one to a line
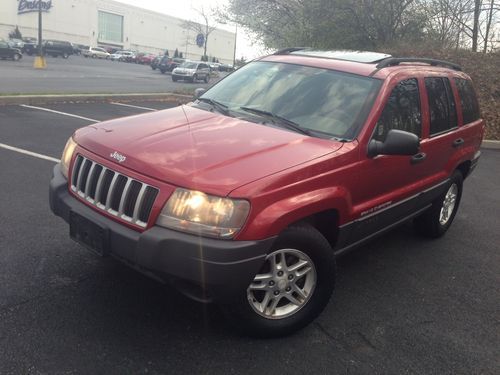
[113, 192]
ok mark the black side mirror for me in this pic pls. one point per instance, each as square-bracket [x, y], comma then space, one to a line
[199, 92]
[397, 142]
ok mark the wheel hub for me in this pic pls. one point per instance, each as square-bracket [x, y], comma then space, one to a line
[284, 284]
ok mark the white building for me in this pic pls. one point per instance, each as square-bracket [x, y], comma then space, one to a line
[111, 23]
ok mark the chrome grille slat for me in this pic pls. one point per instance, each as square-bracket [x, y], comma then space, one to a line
[121, 190]
[97, 198]
[138, 203]
[126, 190]
[111, 191]
[89, 178]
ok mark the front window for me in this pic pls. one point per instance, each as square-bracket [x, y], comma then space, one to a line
[325, 103]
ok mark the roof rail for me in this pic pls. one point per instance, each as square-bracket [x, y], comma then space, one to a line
[392, 61]
[288, 50]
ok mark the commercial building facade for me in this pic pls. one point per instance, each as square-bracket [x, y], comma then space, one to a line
[111, 24]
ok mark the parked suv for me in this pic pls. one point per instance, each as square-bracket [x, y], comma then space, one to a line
[56, 48]
[168, 64]
[248, 194]
[192, 71]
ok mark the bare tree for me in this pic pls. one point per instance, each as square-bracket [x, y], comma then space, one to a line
[205, 28]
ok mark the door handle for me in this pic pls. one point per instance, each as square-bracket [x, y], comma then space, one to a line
[458, 142]
[417, 158]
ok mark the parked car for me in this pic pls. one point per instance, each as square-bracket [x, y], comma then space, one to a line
[8, 52]
[168, 64]
[248, 194]
[96, 53]
[30, 48]
[226, 68]
[145, 58]
[56, 48]
[155, 62]
[192, 71]
[117, 55]
[78, 48]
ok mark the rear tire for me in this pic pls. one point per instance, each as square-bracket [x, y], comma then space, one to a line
[438, 218]
[207, 78]
[65, 55]
[306, 262]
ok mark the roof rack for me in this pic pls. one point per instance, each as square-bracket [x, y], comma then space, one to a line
[392, 61]
[286, 51]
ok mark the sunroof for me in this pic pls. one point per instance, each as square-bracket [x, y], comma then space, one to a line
[357, 56]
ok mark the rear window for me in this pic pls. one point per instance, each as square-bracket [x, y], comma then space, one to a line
[468, 100]
[441, 105]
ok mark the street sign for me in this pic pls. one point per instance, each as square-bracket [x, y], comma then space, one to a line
[200, 40]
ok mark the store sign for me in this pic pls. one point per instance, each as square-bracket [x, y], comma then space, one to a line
[27, 6]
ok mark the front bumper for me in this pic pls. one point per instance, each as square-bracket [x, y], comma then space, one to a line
[204, 269]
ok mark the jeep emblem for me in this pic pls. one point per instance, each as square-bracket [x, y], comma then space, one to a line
[118, 157]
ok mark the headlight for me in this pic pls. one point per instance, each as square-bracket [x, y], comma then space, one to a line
[67, 155]
[200, 213]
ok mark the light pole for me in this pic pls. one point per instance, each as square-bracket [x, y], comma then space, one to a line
[234, 53]
[40, 62]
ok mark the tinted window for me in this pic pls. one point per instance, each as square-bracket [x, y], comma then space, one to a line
[402, 111]
[441, 105]
[468, 100]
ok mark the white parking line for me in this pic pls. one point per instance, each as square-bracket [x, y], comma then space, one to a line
[30, 153]
[134, 106]
[59, 113]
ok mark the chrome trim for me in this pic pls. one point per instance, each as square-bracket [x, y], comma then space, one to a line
[83, 193]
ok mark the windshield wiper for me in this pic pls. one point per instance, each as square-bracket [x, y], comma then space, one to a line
[222, 108]
[277, 119]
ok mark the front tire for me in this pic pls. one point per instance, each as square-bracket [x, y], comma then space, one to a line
[16, 57]
[438, 218]
[291, 289]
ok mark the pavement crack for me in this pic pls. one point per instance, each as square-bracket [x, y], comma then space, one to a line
[366, 341]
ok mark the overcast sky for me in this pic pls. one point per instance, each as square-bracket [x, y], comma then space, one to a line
[184, 9]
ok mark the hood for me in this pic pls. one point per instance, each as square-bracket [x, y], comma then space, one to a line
[201, 150]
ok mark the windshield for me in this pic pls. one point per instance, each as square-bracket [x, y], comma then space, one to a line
[188, 65]
[328, 103]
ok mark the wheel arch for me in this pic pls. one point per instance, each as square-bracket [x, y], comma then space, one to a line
[324, 209]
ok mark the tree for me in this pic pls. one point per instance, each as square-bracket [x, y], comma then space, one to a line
[205, 28]
[350, 24]
[176, 53]
[15, 34]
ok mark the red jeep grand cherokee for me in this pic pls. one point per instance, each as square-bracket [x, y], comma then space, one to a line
[246, 196]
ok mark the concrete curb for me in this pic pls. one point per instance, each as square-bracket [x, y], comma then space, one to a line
[93, 98]
[490, 144]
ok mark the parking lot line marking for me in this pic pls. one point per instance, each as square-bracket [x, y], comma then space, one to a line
[134, 106]
[59, 113]
[30, 153]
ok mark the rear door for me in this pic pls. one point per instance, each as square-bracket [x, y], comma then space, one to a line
[441, 137]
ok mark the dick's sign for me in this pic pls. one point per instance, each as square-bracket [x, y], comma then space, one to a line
[26, 6]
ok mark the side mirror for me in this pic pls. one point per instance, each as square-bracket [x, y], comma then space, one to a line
[199, 92]
[397, 142]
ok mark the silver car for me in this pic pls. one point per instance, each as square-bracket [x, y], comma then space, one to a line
[192, 71]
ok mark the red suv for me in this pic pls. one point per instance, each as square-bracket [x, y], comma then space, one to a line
[247, 195]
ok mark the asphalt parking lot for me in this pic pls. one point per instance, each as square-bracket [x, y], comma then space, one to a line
[403, 305]
[79, 75]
